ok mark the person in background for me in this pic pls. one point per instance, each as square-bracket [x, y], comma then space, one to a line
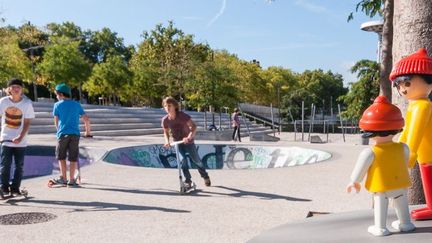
[236, 125]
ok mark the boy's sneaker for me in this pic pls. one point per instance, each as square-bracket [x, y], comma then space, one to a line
[60, 181]
[207, 181]
[4, 192]
[72, 183]
[16, 193]
[188, 184]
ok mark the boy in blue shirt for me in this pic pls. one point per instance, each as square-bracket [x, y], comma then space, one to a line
[67, 113]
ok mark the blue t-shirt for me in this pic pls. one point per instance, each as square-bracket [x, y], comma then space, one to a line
[68, 113]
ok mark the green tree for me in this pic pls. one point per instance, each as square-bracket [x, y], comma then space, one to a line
[110, 79]
[165, 61]
[13, 61]
[104, 43]
[213, 83]
[278, 81]
[313, 87]
[63, 62]
[362, 92]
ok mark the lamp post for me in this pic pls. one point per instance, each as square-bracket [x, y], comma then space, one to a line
[213, 126]
[279, 104]
[376, 27]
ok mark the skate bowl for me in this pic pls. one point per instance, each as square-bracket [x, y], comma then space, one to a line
[218, 156]
[41, 161]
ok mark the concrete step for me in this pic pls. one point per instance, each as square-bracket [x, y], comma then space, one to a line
[44, 129]
[129, 121]
[98, 114]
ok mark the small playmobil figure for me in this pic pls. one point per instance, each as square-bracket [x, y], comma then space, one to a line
[412, 76]
[386, 166]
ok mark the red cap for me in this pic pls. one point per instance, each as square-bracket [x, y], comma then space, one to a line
[381, 116]
[417, 63]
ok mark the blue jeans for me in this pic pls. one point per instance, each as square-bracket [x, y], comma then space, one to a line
[191, 151]
[7, 154]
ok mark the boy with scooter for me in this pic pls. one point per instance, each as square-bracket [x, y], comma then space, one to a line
[180, 126]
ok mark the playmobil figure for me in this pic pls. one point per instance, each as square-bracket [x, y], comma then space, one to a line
[412, 76]
[386, 166]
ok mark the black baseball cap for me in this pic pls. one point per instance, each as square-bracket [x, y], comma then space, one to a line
[15, 81]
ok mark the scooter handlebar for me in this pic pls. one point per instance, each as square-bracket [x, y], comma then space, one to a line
[176, 143]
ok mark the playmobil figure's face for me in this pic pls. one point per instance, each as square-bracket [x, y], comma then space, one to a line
[412, 87]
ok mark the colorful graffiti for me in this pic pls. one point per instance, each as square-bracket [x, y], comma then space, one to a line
[41, 161]
[218, 156]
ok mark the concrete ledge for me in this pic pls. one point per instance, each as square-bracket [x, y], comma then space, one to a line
[343, 227]
[214, 135]
[263, 137]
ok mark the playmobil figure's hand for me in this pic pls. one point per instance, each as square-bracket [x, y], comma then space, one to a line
[412, 160]
[354, 185]
[166, 145]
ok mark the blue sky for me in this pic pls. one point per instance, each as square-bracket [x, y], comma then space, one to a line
[295, 34]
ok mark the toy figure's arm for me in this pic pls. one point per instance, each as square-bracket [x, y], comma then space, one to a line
[406, 153]
[414, 129]
[364, 161]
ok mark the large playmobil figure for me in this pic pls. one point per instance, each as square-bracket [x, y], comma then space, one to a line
[412, 76]
[386, 166]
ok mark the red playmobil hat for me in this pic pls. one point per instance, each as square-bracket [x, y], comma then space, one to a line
[417, 63]
[381, 116]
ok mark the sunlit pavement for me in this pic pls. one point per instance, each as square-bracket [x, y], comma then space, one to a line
[134, 204]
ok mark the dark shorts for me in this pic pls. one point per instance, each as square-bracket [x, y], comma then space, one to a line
[68, 144]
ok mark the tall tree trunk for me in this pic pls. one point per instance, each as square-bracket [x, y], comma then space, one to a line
[386, 50]
[412, 23]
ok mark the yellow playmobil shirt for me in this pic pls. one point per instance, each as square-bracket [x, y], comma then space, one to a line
[417, 133]
[389, 170]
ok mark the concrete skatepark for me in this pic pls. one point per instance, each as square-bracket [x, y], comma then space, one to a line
[118, 203]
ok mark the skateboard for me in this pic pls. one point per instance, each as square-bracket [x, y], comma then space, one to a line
[77, 177]
[53, 184]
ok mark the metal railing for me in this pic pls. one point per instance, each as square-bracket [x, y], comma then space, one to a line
[255, 118]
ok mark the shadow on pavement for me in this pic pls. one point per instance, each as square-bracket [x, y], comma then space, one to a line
[198, 193]
[260, 195]
[103, 206]
[157, 192]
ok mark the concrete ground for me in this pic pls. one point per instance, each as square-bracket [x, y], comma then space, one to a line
[134, 204]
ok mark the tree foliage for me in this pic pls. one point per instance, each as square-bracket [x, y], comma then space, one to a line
[13, 61]
[166, 62]
[370, 7]
[313, 87]
[362, 92]
[63, 62]
[110, 78]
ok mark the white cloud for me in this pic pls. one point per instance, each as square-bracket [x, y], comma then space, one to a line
[311, 7]
[220, 13]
